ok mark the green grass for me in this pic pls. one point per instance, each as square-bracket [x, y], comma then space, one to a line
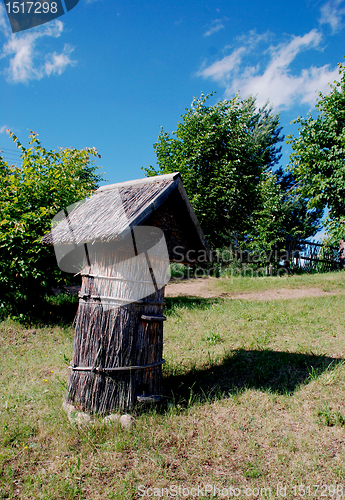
[255, 398]
[328, 282]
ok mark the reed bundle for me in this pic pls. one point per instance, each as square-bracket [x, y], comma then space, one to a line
[116, 331]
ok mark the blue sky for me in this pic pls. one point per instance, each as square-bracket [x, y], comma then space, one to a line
[109, 74]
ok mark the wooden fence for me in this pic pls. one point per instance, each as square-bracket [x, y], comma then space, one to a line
[314, 256]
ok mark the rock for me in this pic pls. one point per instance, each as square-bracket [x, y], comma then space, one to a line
[109, 419]
[68, 407]
[76, 416]
[127, 421]
[81, 418]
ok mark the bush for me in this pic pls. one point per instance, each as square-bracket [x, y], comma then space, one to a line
[30, 196]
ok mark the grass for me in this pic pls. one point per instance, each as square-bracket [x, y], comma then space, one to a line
[255, 398]
[328, 282]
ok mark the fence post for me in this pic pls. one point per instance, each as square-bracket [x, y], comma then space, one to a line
[341, 253]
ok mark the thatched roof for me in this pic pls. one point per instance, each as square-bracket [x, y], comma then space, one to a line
[113, 210]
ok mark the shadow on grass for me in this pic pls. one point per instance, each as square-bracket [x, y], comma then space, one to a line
[265, 370]
[190, 303]
[57, 310]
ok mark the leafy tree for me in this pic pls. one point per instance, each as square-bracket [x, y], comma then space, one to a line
[281, 217]
[30, 196]
[318, 158]
[299, 222]
[222, 152]
[268, 219]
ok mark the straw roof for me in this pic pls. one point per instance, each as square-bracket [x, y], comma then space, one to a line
[113, 210]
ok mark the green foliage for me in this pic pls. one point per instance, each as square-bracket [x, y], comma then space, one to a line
[225, 154]
[30, 196]
[281, 215]
[222, 152]
[300, 223]
[318, 158]
[269, 218]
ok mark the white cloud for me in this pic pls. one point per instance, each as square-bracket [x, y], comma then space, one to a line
[216, 26]
[284, 54]
[275, 81]
[332, 14]
[4, 26]
[317, 80]
[253, 38]
[284, 89]
[56, 63]
[3, 129]
[21, 50]
[221, 70]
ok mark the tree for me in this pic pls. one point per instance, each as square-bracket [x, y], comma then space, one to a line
[299, 222]
[281, 217]
[30, 196]
[318, 158]
[221, 152]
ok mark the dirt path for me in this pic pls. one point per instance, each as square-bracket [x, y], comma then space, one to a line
[203, 288]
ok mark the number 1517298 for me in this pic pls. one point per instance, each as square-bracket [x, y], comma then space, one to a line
[31, 7]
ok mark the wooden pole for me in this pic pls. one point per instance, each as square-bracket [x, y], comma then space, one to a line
[341, 254]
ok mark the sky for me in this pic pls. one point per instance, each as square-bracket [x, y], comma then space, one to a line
[109, 74]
